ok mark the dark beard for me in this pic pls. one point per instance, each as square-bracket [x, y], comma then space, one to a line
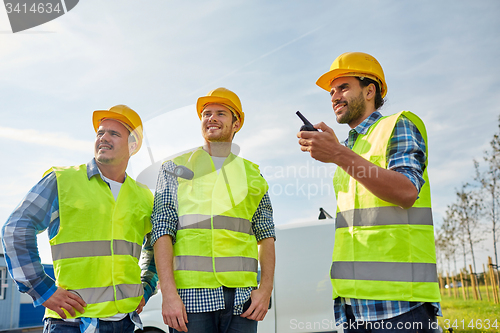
[355, 109]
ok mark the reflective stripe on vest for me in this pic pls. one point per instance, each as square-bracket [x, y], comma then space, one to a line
[222, 264]
[199, 221]
[382, 251]
[95, 249]
[107, 294]
[384, 271]
[378, 216]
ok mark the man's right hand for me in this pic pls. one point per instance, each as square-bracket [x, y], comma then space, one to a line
[174, 312]
[63, 299]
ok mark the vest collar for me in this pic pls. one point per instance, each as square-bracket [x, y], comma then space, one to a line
[93, 169]
[365, 124]
[369, 121]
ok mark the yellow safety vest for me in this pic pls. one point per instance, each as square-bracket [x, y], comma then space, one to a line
[215, 244]
[382, 251]
[96, 251]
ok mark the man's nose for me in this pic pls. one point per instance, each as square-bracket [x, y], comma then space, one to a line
[105, 136]
[335, 97]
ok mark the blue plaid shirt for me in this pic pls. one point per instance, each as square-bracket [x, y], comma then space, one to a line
[165, 219]
[38, 211]
[405, 154]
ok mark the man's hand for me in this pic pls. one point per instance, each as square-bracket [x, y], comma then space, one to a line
[386, 184]
[141, 305]
[63, 299]
[323, 146]
[259, 306]
[174, 312]
[172, 309]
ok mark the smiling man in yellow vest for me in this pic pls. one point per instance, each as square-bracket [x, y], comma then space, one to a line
[206, 228]
[97, 219]
[384, 263]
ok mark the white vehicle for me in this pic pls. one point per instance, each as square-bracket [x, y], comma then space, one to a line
[302, 295]
[151, 317]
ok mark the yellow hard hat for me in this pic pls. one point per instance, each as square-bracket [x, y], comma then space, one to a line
[224, 97]
[354, 64]
[128, 117]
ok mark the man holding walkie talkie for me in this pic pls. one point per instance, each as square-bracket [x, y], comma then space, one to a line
[211, 210]
[384, 263]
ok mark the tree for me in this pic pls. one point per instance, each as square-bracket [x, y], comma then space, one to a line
[465, 213]
[446, 241]
[490, 185]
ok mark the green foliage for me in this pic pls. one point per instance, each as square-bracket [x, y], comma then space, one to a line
[469, 315]
[489, 178]
[476, 206]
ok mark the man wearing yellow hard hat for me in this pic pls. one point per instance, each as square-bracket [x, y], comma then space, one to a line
[97, 219]
[206, 228]
[383, 270]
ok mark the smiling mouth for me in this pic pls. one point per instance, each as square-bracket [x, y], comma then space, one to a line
[104, 147]
[339, 106]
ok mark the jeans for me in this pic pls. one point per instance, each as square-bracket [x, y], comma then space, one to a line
[221, 321]
[52, 325]
[418, 320]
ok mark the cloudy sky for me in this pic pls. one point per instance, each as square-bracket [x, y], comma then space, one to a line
[440, 60]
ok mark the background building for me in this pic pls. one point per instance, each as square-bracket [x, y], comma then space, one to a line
[16, 309]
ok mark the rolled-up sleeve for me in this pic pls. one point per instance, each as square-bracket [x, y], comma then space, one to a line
[149, 275]
[262, 220]
[35, 213]
[406, 152]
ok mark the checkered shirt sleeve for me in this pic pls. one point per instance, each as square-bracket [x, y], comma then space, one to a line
[406, 152]
[164, 217]
[32, 216]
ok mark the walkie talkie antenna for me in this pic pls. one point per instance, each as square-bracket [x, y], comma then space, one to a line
[307, 124]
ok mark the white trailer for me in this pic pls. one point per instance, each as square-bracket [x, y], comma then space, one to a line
[302, 295]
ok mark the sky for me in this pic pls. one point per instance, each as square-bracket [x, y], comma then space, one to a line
[440, 61]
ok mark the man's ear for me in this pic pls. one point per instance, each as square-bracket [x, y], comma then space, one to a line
[236, 125]
[132, 146]
[371, 91]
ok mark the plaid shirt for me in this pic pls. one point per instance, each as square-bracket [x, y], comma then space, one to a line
[38, 211]
[405, 154]
[165, 219]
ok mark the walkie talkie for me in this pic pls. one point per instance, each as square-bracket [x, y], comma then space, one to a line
[181, 171]
[307, 124]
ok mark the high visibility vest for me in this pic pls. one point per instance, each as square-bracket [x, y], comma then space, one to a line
[215, 244]
[382, 251]
[96, 251]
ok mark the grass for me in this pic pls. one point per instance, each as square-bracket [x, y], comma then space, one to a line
[469, 315]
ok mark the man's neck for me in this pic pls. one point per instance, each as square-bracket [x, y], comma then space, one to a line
[369, 110]
[113, 172]
[218, 149]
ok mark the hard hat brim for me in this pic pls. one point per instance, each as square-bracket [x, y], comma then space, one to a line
[326, 79]
[99, 115]
[203, 101]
